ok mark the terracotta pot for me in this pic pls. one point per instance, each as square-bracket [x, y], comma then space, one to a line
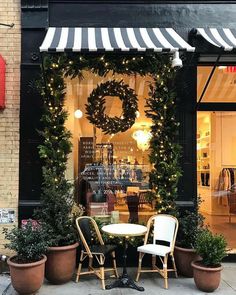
[183, 259]
[60, 265]
[27, 278]
[207, 279]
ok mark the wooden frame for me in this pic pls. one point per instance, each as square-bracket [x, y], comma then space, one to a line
[164, 271]
[100, 257]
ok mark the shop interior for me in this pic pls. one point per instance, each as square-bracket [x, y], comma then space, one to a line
[107, 169]
[216, 153]
[111, 171]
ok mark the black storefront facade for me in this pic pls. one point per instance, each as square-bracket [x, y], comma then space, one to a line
[183, 17]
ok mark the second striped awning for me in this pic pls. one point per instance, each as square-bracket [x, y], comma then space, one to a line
[113, 39]
[224, 38]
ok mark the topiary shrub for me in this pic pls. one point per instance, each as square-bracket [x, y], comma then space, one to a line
[29, 242]
[211, 247]
[190, 223]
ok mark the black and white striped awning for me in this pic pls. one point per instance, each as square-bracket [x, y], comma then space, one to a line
[223, 38]
[113, 39]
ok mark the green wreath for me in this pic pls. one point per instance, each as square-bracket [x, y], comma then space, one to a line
[95, 108]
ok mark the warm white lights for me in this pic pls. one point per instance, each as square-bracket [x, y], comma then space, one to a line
[137, 113]
[78, 114]
[143, 138]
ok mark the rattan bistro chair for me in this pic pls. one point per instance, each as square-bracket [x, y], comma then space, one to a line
[165, 229]
[86, 225]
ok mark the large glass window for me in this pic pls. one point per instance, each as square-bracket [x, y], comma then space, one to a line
[111, 172]
[222, 85]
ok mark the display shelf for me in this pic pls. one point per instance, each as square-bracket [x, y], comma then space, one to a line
[204, 137]
[203, 157]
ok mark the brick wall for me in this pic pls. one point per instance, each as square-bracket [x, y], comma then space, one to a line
[10, 39]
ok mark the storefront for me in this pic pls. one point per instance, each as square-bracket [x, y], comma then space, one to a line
[118, 164]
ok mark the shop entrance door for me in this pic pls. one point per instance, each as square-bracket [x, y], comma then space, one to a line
[216, 152]
[216, 171]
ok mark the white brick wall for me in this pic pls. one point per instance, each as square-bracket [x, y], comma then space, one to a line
[10, 42]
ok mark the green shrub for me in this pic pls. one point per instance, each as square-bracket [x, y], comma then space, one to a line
[29, 242]
[190, 222]
[211, 247]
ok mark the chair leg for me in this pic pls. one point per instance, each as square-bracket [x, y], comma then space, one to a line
[174, 265]
[154, 261]
[102, 272]
[90, 263]
[165, 271]
[102, 276]
[114, 264]
[79, 267]
[139, 265]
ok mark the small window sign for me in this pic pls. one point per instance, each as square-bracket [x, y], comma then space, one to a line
[7, 215]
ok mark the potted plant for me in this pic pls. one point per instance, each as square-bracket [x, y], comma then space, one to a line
[27, 266]
[57, 197]
[57, 218]
[190, 222]
[207, 271]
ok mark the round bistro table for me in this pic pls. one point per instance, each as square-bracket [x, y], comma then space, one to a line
[124, 230]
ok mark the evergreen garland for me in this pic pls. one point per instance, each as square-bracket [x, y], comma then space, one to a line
[165, 151]
[57, 192]
[96, 107]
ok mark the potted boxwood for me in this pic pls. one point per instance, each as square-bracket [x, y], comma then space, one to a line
[190, 222]
[27, 266]
[207, 271]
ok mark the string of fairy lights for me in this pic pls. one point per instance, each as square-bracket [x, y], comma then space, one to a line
[165, 152]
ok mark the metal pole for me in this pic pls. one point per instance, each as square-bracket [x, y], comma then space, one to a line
[6, 25]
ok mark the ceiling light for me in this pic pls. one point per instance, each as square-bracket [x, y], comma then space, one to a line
[222, 67]
[78, 114]
[137, 113]
[143, 138]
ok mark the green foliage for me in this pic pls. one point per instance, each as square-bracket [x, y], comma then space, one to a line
[150, 196]
[95, 109]
[57, 193]
[165, 150]
[212, 248]
[29, 242]
[190, 223]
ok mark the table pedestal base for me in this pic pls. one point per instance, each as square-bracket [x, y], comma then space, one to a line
[124, 282]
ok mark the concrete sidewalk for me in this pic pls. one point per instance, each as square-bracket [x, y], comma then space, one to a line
[152, 283]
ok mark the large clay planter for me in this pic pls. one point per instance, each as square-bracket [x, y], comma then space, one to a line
[207, 279]
[60, 265]
[27, 278]
[183, 259]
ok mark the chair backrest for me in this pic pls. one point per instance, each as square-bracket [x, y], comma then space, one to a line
[142, 198]
[86, 225]
[165, 229]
